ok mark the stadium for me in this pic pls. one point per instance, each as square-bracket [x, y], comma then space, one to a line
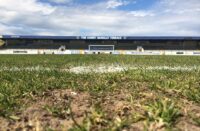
[130, 45]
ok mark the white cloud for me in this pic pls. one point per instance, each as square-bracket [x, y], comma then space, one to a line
[115, 3]
[141, 13]
[60, 1]
[180, 17]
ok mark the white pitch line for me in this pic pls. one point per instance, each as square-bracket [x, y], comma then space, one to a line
[36, 68]
[102, 69]
[110, 69]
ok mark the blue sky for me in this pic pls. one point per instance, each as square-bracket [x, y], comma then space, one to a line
[139, 5]
[100, 17]
[132, 4]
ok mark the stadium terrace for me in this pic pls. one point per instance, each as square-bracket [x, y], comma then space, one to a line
[128, 45]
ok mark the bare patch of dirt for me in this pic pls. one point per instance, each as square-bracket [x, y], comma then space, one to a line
[63, 109]
[37, 116]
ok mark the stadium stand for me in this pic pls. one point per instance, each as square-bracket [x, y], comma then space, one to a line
[99, 44]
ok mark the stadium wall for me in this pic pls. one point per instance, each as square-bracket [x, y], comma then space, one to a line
[116, 52]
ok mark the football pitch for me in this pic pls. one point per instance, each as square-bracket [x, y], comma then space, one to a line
[99, 92]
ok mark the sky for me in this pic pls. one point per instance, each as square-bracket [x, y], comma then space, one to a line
[100, 17]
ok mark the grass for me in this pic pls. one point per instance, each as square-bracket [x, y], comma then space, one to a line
[134, 99]
[163, 111]
[76, 60]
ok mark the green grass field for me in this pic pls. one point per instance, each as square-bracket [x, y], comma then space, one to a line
[128, 100]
